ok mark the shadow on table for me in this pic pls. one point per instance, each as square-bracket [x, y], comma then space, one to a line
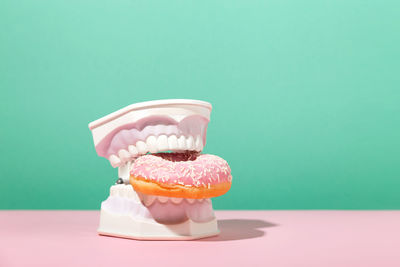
[238, 229]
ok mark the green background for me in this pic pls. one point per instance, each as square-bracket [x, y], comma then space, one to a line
[306, 95]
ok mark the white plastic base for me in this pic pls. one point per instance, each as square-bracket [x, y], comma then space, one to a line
[112, 224]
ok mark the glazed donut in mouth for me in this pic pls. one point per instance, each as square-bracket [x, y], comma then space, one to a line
[182, 175]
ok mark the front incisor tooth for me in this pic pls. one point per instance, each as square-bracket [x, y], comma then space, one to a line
[124, 155]
[173, 142]
[198, 144]
[190, 143]
[114, 160]
[176, 200]
[151, 143]
[191, 200]
[141, 147]
[162, 199]
[148, 200]
[182, 143]
[133, 150]
[162, 143]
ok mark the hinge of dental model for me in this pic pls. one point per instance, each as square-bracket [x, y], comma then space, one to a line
[119, 181]
[123, 173]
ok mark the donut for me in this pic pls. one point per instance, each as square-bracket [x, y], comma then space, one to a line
[182, 175]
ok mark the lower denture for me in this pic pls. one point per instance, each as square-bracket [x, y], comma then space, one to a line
[173, 210]
[124, 200]
[170, 213]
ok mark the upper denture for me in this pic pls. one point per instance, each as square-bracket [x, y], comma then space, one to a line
[154, 126]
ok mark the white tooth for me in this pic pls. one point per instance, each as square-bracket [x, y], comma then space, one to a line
[133, 150]
[127, 191]
[117, 190]
[182, 143]
[135, 196]
[151, 142]
[114, 160]
[130, 192]
[190, 143]
[124, 155]
[112, 190]
[162, 143]
[141, 147]
[148, 200]
[191, 200]
[162, 199]
[198, 144]
[122, 192]
[173, 142]
[140, 196]
[200, 200]
[176, 200]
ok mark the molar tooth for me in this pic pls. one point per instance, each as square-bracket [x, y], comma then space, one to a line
[141, 147]
[113, 190]
[151, 142]
[198, 144]
[190, 200]
[162, 199]
[128, 191]
[114, 160]
[173, 142]
[182, 143]
[190, 143]
[135, 196]
[162, 143]
[131, 193]
[123, 192]
[117, 191]
[176, 200]
[133, 150]
[124, 155]
[140, 196]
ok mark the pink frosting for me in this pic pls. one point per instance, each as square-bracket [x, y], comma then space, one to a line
[185, 169]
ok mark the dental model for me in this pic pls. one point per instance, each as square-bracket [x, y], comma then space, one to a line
[164, 184]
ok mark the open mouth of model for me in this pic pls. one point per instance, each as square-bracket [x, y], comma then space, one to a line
[155, 144]
[156, 147]
[172, 187]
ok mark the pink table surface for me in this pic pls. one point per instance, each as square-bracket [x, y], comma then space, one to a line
[248, 238]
